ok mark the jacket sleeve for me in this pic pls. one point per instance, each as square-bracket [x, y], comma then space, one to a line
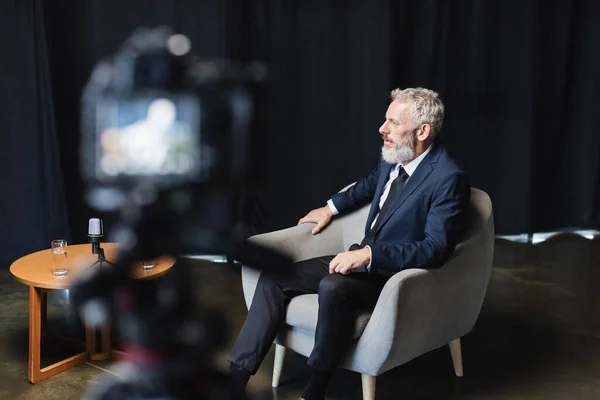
[358, 195]
[446, 221]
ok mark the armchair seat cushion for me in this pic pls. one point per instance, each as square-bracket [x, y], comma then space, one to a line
[303, 310]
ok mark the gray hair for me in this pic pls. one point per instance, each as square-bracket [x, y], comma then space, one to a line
[427, 107]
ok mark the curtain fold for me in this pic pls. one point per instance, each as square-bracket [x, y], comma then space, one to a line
[32, 198]
[519, 80]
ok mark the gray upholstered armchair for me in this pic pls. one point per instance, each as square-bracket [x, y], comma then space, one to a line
[417, 311]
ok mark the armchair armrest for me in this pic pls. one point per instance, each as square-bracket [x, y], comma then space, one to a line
[298, 242]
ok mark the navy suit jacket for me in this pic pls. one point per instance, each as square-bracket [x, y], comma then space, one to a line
[426, 220]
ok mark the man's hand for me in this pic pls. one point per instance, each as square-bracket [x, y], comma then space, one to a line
[322, 216]
[345, 262]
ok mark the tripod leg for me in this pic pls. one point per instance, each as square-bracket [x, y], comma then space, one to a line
[109, 263]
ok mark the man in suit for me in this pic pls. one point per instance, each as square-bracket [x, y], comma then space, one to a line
[419, 201]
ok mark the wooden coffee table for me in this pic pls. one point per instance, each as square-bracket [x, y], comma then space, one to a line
[35, 270]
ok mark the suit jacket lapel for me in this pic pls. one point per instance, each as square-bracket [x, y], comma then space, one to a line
[384, 174]
[420, 174]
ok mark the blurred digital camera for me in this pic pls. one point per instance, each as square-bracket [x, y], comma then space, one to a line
[156, 117]
[169, 142]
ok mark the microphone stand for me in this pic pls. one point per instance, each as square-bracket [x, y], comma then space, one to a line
[97, 249]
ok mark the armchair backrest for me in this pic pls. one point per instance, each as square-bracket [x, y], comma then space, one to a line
[463, 280]
[472, 259]
[480, 215]
[480, 222]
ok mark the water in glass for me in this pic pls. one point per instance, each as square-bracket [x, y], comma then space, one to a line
[59, 258]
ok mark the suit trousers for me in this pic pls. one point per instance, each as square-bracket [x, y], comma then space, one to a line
[340, 297]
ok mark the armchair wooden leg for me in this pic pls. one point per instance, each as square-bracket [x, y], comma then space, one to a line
[368, 387]
[456, 353]
[278, 364]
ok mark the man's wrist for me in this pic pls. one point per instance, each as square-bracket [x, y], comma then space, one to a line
[332, 208]
[329, 211]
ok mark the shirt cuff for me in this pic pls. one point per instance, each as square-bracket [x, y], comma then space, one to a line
[332, 207]
[370, 258]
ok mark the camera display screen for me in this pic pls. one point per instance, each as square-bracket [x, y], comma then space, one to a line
[148, 136]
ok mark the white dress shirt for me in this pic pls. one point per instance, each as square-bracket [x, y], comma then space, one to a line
[409, 168]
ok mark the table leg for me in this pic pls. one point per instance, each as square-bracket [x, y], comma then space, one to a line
[106, 340]
[34, 371]
[105, 344]
[118, 355]
[35, 327]
[44, 309]
[90, 341]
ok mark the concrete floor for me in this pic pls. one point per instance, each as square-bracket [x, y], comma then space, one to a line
[538, 336]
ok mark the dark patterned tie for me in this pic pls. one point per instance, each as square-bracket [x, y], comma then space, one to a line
[395, 189]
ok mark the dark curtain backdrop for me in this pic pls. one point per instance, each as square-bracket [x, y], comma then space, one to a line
[519, 79]
[32, 196]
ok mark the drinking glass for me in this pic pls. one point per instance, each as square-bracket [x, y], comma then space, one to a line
[59, 257]
[148, 264]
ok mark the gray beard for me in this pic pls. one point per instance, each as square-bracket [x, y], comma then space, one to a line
[397, 155]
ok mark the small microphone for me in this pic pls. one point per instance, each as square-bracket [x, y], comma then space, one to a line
[95, 233]
[95, 229]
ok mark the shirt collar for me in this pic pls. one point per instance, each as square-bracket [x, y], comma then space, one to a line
[411, 167]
